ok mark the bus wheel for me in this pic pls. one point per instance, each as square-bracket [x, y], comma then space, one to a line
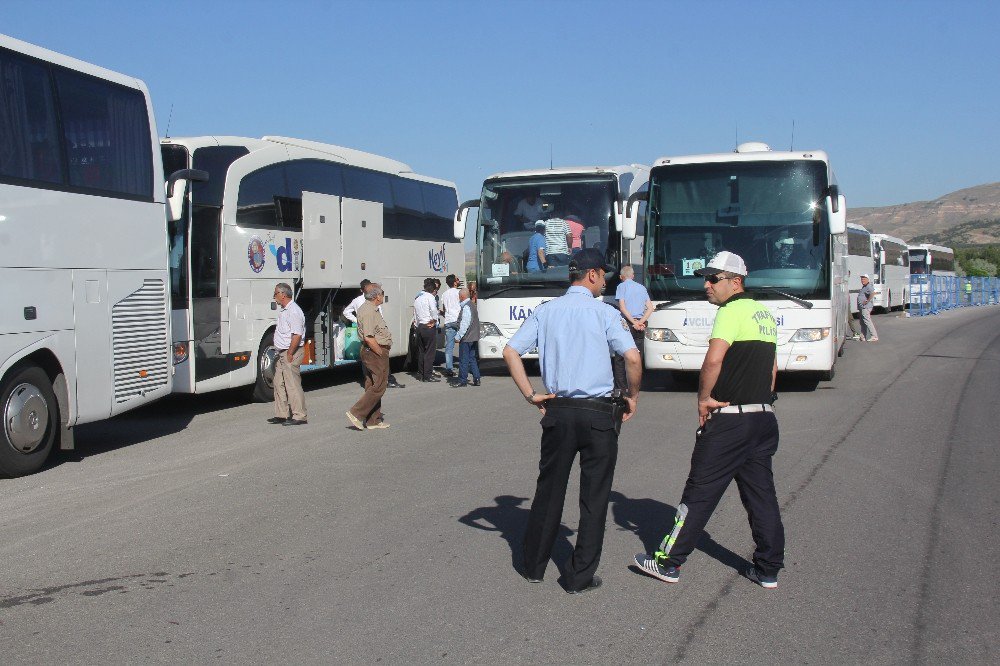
[263, 388]
[827, 375]
[30, 421]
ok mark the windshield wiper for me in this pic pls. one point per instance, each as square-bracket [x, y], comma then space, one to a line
[666, 304]
[794, 299]
[526, 285]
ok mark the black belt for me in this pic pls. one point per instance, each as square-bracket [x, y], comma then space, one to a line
[602, 405]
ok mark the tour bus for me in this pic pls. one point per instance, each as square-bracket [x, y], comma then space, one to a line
[927, 260]
[591, 198]
[892, 272]
[783, 213]
[83, 269]
[318, 217]
[859, 261]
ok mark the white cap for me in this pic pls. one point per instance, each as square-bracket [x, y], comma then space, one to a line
[724, 262]
[866, 276]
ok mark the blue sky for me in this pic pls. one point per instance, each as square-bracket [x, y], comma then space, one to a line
[903, 95]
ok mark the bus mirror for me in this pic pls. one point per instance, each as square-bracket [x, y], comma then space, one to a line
[175, 195]
[836, 212]
[462, 216]
[630, 219]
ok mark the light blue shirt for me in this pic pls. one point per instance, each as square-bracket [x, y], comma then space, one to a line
[537, 242]
[634, 295]
[575, 335]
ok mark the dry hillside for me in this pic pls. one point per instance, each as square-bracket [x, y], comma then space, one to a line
[976, 209]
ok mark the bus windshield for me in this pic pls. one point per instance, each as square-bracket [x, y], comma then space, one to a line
[529, 228]
[770, 213]
[918, 262]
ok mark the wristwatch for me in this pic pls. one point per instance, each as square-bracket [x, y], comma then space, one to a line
[529, 397]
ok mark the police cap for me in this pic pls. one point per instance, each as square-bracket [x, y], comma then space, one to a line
[587, 259]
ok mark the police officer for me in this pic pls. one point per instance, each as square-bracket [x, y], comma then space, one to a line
[575, 335]
[738, 434]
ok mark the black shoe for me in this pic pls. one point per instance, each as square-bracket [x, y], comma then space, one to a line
[276, 420]
[458, 384]
[595, 583]
[396, 385]
[295, 422]
[432, 379]
[475, 382]
[448, 373]
[530, 579]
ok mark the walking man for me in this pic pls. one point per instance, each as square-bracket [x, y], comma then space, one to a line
[468, 337]
[376, 341]
[425, 314]
[289, 341]
[866, 302]
[450, 303]
[738, 434]
[575, 335]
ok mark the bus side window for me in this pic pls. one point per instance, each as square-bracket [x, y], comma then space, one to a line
[255, 206]
[28, 131]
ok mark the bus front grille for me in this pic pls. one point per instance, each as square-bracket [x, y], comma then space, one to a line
[139, 341]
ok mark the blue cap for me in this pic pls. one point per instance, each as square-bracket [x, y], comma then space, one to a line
[584, 260]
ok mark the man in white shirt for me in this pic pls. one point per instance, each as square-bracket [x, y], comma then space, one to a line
[451, 305]
[289, 341]
[529, 210]
[425, 315]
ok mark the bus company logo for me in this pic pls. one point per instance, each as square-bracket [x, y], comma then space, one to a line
[437, 260]
[698, 321]
[255, 254]
[520, 313]
[285, 256]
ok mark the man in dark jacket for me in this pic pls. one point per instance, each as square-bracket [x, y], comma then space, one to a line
[468, 337]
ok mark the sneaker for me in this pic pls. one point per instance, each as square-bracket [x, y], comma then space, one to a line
[475, 382]
[755, 575]
[458, 384]
[355, 421]
[381, 425]
[448, 373]
[872, 339]
[649, 566]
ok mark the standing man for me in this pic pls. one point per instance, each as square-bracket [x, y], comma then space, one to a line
[866, 302]
[575, 335]
[289, 341]
[536, 250]
[425, 314]
[350, 314]
[738, 434]
[634, 304]
[450, 303]
[468, 337]
[376, 341]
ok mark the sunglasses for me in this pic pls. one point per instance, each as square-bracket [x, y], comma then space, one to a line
[715, 279]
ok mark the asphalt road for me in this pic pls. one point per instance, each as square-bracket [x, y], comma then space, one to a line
[191, 531]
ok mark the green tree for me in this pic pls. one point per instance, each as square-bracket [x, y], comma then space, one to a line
[979, 268]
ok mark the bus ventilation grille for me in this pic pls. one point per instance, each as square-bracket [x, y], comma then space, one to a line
[140, 350]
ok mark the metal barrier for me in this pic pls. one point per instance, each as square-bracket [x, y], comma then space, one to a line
[930, 294]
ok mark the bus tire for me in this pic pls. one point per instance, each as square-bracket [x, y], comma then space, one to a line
[30, 421]
[263, 388]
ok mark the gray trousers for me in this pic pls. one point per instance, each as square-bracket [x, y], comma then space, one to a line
[868, 331]
[288, 396]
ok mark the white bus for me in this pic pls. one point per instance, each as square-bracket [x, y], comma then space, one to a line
[591, 198]
[859, 261]
[83, 267]
[892, 272]
[927, 260]
[319, 217]
[782, 212]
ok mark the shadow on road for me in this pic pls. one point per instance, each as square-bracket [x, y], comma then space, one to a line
[650, 520]
[509, 518]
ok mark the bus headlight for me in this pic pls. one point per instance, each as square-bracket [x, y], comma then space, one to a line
[661, 335]
[180, 352]
[810, 335]
[487, 329]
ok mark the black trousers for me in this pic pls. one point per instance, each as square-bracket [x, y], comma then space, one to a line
[567, 431]
[736, 446]
[426, 350]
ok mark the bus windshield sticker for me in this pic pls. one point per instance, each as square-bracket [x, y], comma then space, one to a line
[501, 270]
[692, 265]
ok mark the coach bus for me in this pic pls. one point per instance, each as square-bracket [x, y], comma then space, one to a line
[590, 199]
[783, 213]
[892, 272]
[319, 217]
[83, 269]
[927, 260]
[860, 261]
